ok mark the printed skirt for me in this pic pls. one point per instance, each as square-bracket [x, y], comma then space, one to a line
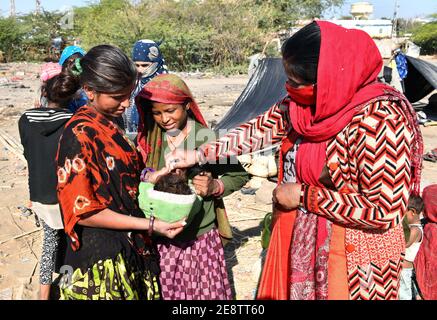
[194, 270]
[110, 280]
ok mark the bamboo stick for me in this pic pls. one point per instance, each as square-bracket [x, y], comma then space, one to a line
[17, 145]
[21, 235]
[246, 219]
[11, 148]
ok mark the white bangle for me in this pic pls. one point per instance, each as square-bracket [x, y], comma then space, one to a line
[200, 157]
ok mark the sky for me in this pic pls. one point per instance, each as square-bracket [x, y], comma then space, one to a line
[382, 8]
[385, 8]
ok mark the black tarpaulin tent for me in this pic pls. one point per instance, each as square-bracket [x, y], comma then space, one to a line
[265, 88]
[421, 79]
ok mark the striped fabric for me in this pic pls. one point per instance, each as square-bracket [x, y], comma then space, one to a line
[370, 165]
[47, 115]
[371, 156]
[264, 131]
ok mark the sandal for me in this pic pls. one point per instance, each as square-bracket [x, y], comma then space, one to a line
[431, 156]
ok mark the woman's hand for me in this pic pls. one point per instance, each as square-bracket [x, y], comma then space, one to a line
[287, 195]
[179, 158]
[169, 230]
[205, 185]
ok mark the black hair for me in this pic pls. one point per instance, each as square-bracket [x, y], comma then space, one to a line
[173, 183]
[416, 203]
[105, 69]
[48, 91]
[301, 53]
[71, 59]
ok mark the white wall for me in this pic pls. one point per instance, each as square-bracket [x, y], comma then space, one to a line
[375, 28]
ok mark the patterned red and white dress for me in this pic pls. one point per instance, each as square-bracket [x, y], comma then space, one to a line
[369, 164]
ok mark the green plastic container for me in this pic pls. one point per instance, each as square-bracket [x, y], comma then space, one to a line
[168, 207]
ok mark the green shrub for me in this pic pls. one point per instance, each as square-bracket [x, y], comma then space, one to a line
[208, 35]
[426, 37]
[11, 35]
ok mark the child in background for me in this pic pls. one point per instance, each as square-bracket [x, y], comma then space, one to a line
[48, 71]
[40, 130]
[414, 236]
[149, 62]
[68, 55]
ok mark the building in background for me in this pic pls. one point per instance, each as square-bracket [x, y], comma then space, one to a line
[377, 29]
[361, 10]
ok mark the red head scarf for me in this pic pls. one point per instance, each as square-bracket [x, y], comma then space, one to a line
[349, 64]
[164, 88]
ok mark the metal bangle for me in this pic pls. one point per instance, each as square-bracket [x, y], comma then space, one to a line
[145, 172]
[200, 157]
[151, 223]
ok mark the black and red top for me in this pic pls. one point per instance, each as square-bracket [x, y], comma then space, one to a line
[98, 168]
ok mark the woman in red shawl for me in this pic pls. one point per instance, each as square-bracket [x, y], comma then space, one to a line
[192, 264]
[350, 156]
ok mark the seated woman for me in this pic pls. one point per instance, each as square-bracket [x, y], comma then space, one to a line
[192, 264]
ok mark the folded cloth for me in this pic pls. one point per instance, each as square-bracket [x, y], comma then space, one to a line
[50, 214]
[49, 70]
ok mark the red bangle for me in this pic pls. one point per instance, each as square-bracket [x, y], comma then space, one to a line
[311, 199]
[151, 223]
[221, 188]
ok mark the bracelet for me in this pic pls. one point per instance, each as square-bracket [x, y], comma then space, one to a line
[303, 188]
[151, 223]
[200, 157]
[312, 199]
[221, 188]
[144, 173]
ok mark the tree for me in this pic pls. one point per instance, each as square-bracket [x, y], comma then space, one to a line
[197, 34]
[426, 37]
[287, 12]
[405, 26]
[39, 30]
[11, 35]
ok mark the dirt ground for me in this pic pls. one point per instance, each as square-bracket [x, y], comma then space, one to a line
[20, 239]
